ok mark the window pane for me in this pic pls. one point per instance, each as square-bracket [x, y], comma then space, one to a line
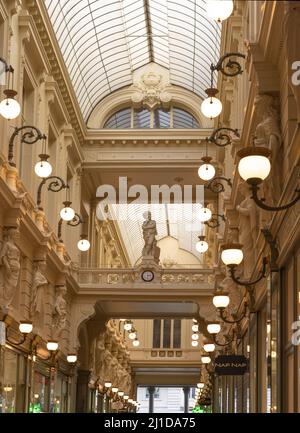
[182, 119]
[167, 333]
[156, 333]
[161, 119]
[177, 334]
[120, 120]
[141, 119]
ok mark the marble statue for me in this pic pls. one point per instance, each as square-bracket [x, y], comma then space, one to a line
[248, 222]
[267, 134]
[99, 356]
[149, 232]
[106, 371]
[39, 288]
[10, 262]
[60, 310]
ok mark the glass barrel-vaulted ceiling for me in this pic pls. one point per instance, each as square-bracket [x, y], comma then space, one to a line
[104, 41]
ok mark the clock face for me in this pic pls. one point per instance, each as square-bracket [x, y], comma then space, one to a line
[147, 276]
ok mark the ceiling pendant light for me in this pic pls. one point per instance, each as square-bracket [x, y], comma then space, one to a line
[83, 244]
[211, 107]
[206, 170]
[43, 168]
[67, 213]
[204, 214]
[9, 107]
[201, 245]
[219, 10]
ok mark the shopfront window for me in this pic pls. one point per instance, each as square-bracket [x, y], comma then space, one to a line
[40, 393]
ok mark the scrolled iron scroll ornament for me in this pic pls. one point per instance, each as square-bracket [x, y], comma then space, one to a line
[73, 223]
[232, 68]
[57, 184]
[221, 137]
[216, 186]
[214, 222]
[30, 135]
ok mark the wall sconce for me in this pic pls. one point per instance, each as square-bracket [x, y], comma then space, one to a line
[205, 359]
[72, 358]
[216, 186]
[56, 185]
[220, 136]
[221, 301]
[232, 66]
[25, 328]
[232, 256]
[209, 346]
[214, 328]
[74, 222]
[9, 107]
[254, 167]
[30, 135]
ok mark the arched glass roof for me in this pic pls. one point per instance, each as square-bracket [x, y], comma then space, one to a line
[104, 41]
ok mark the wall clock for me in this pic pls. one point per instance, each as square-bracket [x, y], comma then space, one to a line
[147, 276]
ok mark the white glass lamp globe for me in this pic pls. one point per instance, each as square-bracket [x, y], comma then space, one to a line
[254, 165]
[214, 328]
[195, 336]
[43, 168]
[121, 393]
[204, 214]
[132, 335]
[195, 328]
[107, 384]
[200, 385]
[206, 171]
[83, 245]
[126, 397]
[52, 345]
[72, 358]
[219, 10]
[221, 300]
[209, 347]
[195, 343]
[115, 389]
[202, 245]
[9, 107]
[136, 343]
[128, 326]
[25, 327]
[67, 213]
[130, 400]
[232, 254]
[205, 359]
[211, 107]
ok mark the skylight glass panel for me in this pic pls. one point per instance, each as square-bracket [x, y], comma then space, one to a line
[103, 42]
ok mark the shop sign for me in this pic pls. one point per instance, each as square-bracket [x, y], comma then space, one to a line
[235, 365]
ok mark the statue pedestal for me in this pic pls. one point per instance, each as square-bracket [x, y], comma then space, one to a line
[149, 261]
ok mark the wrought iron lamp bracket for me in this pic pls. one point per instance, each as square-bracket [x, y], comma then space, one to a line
[30, 135]
[232, 65]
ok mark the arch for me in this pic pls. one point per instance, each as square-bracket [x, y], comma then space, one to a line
[121, 99]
